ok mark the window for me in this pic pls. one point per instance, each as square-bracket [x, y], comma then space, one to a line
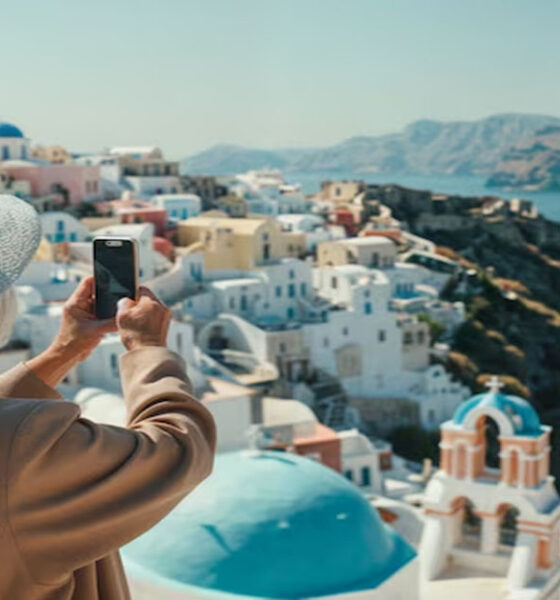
[366, 477]
[5, 152]
[367, 308]
[290, 313]
[349, 475]
[325, 342]
[243, 302]
[334, 283]
[292, 274]
[60, 226]
[24, 152]
[140, 272]
[292, 290]
[185, 213]
[114, 365]
[431, 416]
[174, 213]
[282, 347]
[375, 259]
[420, 337]
[381, 335]
[179, 343]
[345, 331]
[231, 303]
[278, 291]
[408, 338]
[73, 236]
[303, 289]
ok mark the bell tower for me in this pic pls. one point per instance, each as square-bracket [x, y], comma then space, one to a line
[492, 505]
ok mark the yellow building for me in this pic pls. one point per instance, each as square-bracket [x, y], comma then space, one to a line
[340, 192]
[373, 252]
[52, 154]
[239, 243]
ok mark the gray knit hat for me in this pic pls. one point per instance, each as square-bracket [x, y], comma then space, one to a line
[20, 234]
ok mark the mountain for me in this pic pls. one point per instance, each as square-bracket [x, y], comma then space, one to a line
[425, 146]
[533, 163]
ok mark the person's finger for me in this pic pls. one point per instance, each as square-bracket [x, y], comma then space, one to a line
[124, 303]
[84, 292]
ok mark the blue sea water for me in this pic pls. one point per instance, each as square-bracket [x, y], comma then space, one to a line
[548, 203]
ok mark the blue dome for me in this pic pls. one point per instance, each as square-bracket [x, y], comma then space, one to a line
[7, 130]
[272, 525]
[521, 414]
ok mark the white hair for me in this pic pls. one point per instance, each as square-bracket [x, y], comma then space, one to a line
[8, 314]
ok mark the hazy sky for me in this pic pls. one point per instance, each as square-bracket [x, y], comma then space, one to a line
[186, 74]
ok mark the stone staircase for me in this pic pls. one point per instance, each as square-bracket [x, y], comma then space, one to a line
[331, 403]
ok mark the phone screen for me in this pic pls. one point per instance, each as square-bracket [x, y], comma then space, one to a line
[114, 268]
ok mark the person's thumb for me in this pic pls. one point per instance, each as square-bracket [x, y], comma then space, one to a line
[123, 305]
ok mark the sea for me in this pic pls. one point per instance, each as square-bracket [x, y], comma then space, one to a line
[547, 203]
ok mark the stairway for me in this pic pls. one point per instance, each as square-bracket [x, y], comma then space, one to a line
[331, 402]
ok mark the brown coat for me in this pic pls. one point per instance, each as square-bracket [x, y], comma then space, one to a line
[74, 491]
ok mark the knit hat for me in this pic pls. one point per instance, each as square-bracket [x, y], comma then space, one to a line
[20, 234]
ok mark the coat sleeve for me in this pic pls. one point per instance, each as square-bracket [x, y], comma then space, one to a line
[21, 382]
[79, 490]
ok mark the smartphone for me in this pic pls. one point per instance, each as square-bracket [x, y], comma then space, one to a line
[115, 269]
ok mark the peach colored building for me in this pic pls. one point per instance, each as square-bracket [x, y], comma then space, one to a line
[493, 506]
[131, 210]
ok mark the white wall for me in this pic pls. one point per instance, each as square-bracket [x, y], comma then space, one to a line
[62, 227]
[14, 149]
[150, 186]
[179, 206]
[233, 419]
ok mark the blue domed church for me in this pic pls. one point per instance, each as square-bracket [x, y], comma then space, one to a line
[270, 524]
[13, 144]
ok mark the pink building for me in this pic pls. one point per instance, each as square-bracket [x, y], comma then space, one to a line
[73, 183]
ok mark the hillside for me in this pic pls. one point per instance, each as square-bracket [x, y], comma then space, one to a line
[533, 163]
[511, 291]
[457, 147]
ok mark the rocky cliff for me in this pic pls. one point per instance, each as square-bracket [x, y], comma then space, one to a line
[533, 163]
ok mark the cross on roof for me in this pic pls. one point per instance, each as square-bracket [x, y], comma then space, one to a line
[494, 384]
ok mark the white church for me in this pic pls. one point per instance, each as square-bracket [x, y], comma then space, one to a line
[492, 507]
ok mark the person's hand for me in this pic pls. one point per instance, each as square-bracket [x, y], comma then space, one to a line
[143, 323]
[80, 332]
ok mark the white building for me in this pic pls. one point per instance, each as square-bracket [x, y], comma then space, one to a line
[145, 171]
[361, 462]
[179, 206]
[55, 281]
[313, 227]
[439, 269]
[61, 227]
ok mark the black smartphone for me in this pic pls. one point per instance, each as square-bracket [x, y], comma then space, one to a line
[115, 268]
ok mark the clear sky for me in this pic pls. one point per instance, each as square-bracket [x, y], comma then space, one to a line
[187, 74]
